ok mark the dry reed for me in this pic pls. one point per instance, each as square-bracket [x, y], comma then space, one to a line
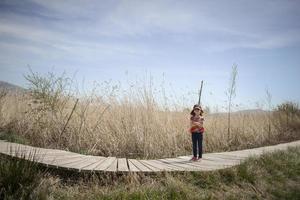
[131, 125]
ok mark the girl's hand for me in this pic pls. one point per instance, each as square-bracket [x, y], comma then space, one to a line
[197, 123]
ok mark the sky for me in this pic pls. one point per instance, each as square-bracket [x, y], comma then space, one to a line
[176, 43]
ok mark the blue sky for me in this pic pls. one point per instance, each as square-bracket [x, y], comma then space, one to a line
[180, 42]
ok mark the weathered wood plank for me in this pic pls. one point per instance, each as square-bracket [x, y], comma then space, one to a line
[76, 164]
[152, 167]
[210, 160]
[159, 166]
[113, 166]
[65, 161]
[49, 160]
[212, 164]
[132, 167]
[170, 166]
[122, 165]
[221, 160]
[140, 165]
[230, 156]
[186, 165]
[105, 164]
[96, 162]
[203, 164]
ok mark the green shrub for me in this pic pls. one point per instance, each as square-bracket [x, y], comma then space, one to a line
[12, 137]
[21, 179]
[246, 174]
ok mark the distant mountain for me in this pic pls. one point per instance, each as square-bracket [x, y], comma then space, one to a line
[252, 111]
[248, 111]
[10, 87]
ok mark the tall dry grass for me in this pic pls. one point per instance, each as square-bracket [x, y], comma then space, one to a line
[130, 123]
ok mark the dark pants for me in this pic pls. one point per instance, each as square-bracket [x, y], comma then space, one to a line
[197, 139]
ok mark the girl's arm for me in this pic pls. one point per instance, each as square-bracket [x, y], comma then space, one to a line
[195, 124]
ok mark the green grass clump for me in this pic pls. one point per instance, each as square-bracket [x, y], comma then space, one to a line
[21, 179]
[11, 137]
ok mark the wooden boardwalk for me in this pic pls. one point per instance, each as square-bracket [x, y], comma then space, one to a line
[74, 161]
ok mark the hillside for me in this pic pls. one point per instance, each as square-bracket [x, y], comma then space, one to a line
[8, 86]
[241, 112]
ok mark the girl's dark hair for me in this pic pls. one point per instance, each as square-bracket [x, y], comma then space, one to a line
[193, 112]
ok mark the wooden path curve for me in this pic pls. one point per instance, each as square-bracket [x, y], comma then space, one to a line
[74, 161]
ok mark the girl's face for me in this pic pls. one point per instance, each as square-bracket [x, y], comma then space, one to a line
[197, 111]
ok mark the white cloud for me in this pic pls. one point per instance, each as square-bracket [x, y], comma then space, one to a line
[44, 42]
[67, 8]
[279, 40]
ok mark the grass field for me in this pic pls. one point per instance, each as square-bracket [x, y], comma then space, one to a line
[134, 126]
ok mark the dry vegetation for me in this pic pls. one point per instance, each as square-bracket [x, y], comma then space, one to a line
[130, 123]
[272, 176]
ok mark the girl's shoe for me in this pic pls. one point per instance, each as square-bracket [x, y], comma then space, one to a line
[199, 159]
[194, 159]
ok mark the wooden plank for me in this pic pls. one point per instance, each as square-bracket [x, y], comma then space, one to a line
[230, 156]
[14, 149]
[33, 157]
[139, 165]
[157, 165]
[44, 156]
[49, 160]
[221, 160]
[19, 155]
[132, 167]
[212, 164]
[89, 161]
[10, 147]
[58, 154]
[96, 162]
[76, 164]
[22, 154]
[3, 145]
[65, 161]
[243, 155]
[186, 166]
[274, 148]
[247, 151]
[113, 167]
[105, 164]
[122, 165]
[170, 166]
[209, 160]
[37, 152]
[49, 152]
[30, 153]
[25, 148]
[223, 157]
[152, 167]
[215, 166]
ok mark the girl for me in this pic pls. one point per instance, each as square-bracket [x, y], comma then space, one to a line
[197, 131]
